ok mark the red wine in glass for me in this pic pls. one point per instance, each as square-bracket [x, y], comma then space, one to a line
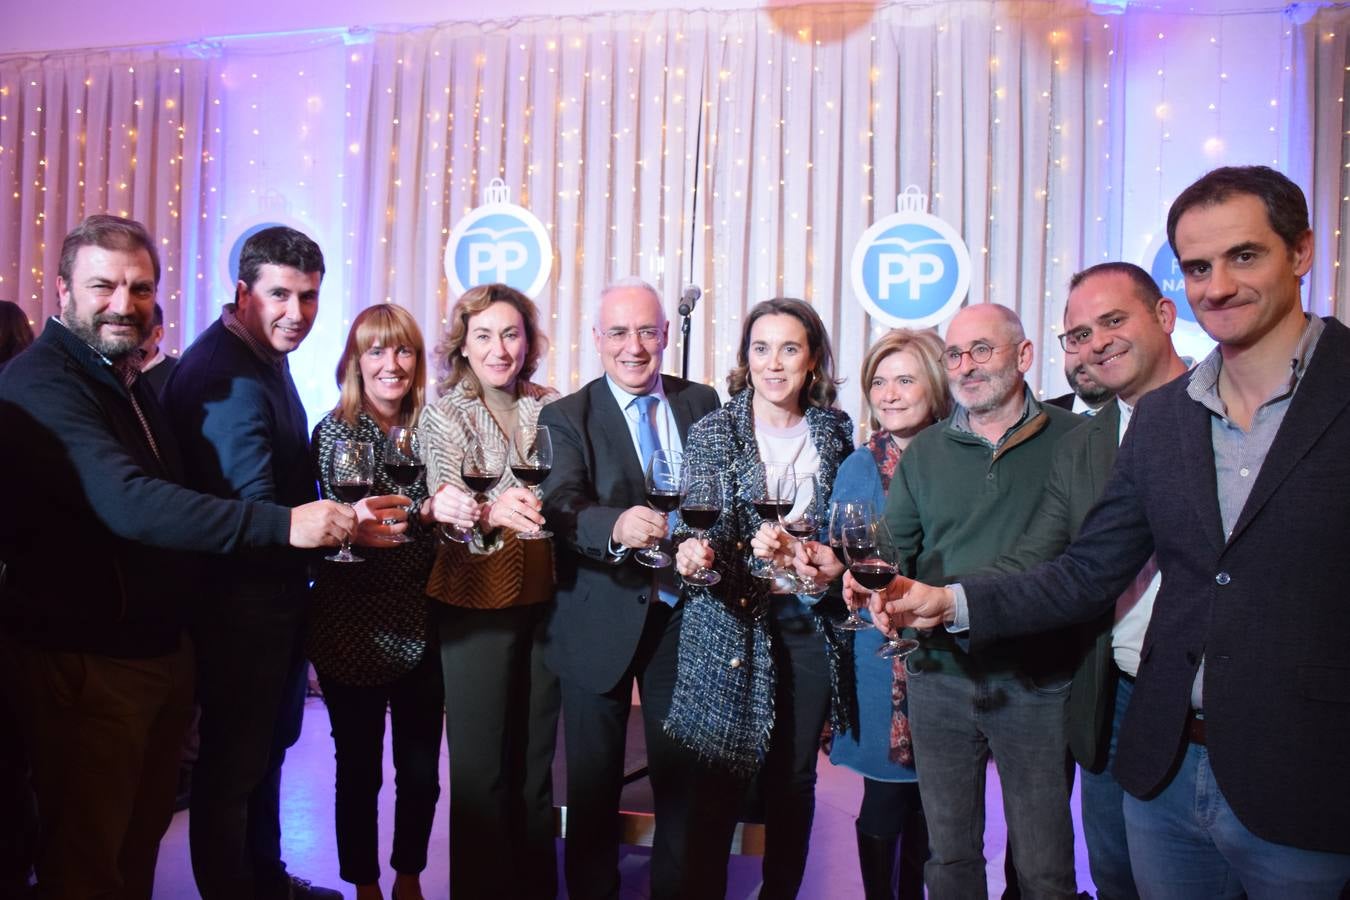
[530, 475]
[771, 510]
[872, 574]
[405, 474]
[700, 517]
[663, 501]
[350, 492]
[802, 531]
[480, 483]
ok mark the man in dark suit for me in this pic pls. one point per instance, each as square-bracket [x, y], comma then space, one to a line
[1118, 326]
[1232, 752]
[616, 620]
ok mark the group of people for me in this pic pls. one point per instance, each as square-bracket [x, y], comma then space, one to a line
[166, 557]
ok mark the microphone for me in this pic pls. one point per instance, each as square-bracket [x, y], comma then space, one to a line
[689, 298]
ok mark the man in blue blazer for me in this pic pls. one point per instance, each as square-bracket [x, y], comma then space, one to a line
[615, 620]
[1232, 752]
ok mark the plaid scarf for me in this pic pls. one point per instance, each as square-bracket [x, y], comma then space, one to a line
[886, 454]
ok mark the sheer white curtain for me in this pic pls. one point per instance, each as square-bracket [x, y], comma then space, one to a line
[130, 132]
[744, 151]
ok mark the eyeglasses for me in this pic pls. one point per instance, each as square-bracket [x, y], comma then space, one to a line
[980, 352]
[617, 337]
[1075, 338]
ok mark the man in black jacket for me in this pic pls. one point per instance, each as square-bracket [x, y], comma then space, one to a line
[91, 589]
[245, 435]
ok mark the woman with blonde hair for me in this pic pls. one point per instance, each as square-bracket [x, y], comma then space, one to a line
[370, 632]
[906, 392]
[501, 703]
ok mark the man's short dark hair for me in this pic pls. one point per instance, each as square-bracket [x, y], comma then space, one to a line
[1145, 288]
[1286, 207]
[278, 246]
[157, 317]
[110, 233]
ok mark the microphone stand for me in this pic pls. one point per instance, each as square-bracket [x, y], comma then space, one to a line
[684, 337]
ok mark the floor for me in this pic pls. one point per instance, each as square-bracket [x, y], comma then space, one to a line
[307, 828]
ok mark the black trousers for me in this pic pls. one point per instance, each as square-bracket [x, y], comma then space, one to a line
[688, 856]
[501, 722]
[251, 687]
[357, 714]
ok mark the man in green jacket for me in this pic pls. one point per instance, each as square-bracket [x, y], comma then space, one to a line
[965, 490]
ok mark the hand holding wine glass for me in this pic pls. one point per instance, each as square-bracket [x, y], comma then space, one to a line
[480, 469]
[663, 495]
[802, 523]
[404, 465]
[849, 517]
[351, 471]
[777, 484]
[700, 508]
[531, 459]
[871, 562]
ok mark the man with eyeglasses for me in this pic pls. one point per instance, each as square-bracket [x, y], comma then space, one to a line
[616, 621]
[1232, 753]
[964, 491]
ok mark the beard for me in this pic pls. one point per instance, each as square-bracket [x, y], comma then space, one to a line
[983, 391]
[1091, 391]
[88, 330]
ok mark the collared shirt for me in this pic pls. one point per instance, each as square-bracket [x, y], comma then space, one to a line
[155, 360]
[666, 426]
[229, 317]
[961, 419]
[1134, 606]
[1238, 454]
[126, 369]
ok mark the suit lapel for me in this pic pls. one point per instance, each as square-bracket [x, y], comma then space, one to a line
[679, 404]
[1321, 396]
[1196, 464]
[613, 431]
[1102, 446]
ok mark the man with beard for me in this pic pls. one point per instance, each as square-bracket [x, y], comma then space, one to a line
[245, 435]
[1087, 396]
[92, 595]
[963, 493]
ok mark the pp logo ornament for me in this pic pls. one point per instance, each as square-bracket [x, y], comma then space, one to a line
[499, 242]
[911, 269]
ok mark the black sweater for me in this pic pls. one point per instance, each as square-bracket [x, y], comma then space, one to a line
[92, 518]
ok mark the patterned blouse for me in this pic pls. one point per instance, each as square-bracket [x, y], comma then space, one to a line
[490, 572]
[369, 622]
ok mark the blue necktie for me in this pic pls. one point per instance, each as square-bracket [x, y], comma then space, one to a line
[649, 441]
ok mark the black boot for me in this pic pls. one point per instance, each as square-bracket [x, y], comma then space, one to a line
[876, 858]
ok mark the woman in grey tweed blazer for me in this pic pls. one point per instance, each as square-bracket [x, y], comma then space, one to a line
[757, 671]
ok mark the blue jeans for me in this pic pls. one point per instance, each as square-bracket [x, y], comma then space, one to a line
[1104, 818]
[1186, 842]
[958, 720]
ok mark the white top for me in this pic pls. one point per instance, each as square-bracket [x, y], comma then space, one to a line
[790, 445]
[1134, 607]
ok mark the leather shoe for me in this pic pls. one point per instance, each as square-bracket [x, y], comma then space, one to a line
[301, 889]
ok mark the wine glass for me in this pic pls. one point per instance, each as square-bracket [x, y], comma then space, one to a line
[531, 459]
[480, 469]
[351, 472]
[700, 506]
[802, 522]
[663, 495]
[777, 484]
[871, 562]
[404, 466]
[845, 515]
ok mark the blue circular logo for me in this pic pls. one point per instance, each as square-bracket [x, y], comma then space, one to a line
[1162, 264]
[499, 243]
[911, 270]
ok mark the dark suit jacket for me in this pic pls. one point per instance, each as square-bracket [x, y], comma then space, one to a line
[1267, 607]
[1063, 401]
[1081, 467]
[601, 607]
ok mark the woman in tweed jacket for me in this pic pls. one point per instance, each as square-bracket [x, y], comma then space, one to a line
[501, 704]
[757, 671]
